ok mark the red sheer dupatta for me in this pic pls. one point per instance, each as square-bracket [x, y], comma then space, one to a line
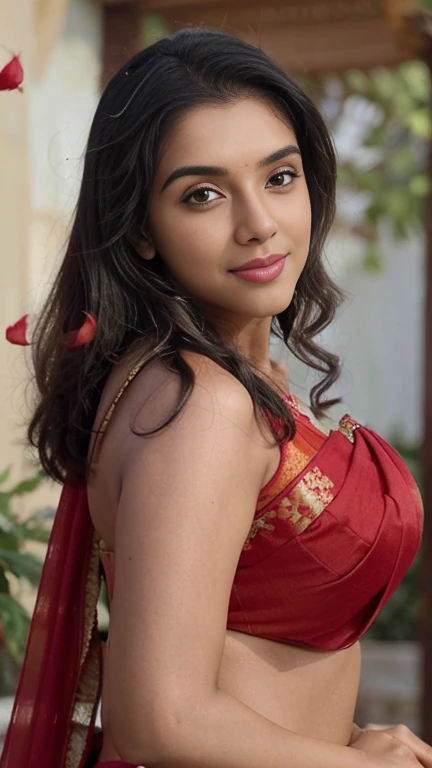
[59, 687]
[54, 712]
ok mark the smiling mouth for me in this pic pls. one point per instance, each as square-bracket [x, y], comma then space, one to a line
[260, 263]
[261, 274]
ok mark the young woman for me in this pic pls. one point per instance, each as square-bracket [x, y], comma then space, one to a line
[246, 541]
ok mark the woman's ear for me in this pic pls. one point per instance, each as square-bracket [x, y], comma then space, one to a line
[143, 244]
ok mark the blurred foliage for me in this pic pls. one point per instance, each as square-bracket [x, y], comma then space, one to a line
[426, 4]
[153, 28]
[15, 562]
[391, 110]
[399, 619]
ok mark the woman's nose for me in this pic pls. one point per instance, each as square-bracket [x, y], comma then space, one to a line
[254, 222]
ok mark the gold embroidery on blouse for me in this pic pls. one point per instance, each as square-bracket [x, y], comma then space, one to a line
[258, 525]
[299, 508]
[307, 500]
[347, 426]
[297, 460]
[293, 462]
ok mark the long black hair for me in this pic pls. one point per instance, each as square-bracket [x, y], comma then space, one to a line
[137, 308]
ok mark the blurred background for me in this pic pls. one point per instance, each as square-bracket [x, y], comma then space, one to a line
[366, 64]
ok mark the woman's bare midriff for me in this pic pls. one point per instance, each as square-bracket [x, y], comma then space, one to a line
[307, 691]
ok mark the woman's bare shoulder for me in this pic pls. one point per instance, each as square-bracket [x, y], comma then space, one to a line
[217, 400]
[157, 387]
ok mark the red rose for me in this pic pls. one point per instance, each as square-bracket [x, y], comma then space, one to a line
[11, 76]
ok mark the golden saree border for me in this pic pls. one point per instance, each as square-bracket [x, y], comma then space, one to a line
[89, 681]
[99, 434]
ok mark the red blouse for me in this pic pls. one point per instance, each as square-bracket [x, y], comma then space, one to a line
[334, 532]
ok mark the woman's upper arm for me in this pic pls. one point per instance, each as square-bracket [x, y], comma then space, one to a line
[187, 501]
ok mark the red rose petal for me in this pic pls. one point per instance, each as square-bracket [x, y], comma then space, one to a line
[17, 333]
[83, 335]
[11, 76]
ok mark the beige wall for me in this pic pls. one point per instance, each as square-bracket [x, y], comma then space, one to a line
[42, 136]
[15, 34]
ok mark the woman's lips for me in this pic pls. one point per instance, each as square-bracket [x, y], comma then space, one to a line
[261, 274]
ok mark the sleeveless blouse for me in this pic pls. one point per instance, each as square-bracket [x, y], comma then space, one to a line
[332, 536]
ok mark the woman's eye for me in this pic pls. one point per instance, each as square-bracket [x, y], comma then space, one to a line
[200, 197]
[279, 176]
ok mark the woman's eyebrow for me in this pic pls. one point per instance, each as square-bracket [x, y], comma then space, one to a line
[217, 170]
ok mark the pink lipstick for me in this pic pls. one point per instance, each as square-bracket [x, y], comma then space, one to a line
[262, 270]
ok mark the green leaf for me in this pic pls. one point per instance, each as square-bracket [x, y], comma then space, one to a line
[9, 540]
[401, 228]
[370, 181]
[4, 476]
[15, 623]
[419, 185]
[419, 120]
[403, 106]
[357, 81]
[4, 584]
[397, 205]
[415, 75]
[153, 27]
[385, 84]
[5, 509]
[28, 485]
[375, 212]
[402, 160]
[346, 175]
[398, 620]
[372, 261]
[376, 136]
[22, 564]
[36, 533]
[426, 4]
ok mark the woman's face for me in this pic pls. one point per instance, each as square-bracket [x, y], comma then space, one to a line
[238, 203]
